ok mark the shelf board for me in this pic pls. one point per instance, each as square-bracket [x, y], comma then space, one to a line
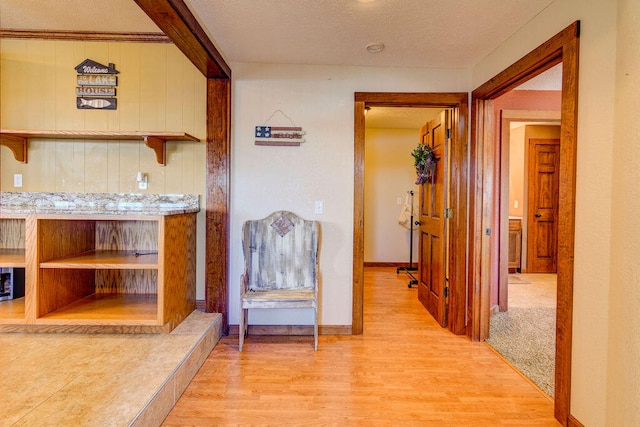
[12, 258]
[107, 309]
[114, 260]
[17, 140]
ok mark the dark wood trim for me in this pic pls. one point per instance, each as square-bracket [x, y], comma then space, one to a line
[175, 19]
[218, 197]
[535, 62]
[387, 264]
[357, 313]
[457, 313]
[562, 48]
[91, 36]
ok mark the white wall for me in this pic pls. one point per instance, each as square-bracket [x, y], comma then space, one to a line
[388, 175]
[595, 177]
[264, 179]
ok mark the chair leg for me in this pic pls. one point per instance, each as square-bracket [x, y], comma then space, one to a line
[241, 328]
[315, 329]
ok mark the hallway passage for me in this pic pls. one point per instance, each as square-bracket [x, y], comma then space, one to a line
[404, 370]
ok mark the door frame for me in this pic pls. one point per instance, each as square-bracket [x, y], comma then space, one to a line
[561, 48]
[459, 102]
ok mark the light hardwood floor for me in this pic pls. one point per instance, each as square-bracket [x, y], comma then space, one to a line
[404, 370]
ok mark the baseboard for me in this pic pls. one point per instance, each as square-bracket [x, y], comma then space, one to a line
[293, 330]
[200, 305]
[573, 422]
[388, 264]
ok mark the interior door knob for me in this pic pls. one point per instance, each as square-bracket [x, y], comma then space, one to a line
[538, 215]
[418, 223]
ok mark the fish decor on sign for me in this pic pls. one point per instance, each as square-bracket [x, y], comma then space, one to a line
[96, 88]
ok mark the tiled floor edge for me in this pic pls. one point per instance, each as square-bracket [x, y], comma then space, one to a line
[165, 398]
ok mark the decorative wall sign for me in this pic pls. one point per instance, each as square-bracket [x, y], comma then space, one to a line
[96, 88]
[282, 136]
[290, 136]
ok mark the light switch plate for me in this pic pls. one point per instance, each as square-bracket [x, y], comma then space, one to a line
[319, 207]
[17, 180]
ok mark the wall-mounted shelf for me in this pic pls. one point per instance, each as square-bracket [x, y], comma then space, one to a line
[17, 140]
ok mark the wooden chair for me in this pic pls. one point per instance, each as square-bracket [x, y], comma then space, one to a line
[281, 266]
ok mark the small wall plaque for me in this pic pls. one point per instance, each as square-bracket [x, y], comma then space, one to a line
[279, 135]
[96, 88]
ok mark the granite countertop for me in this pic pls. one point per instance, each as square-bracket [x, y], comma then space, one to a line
[97, 203]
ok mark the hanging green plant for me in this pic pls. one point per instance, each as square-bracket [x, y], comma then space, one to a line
[425, 162]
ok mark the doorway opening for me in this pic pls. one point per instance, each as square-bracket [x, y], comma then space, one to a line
[560, 49]
[391, 134]
[458, 102]
[523, 302]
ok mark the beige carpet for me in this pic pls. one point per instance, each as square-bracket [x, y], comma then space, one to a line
[525, 336]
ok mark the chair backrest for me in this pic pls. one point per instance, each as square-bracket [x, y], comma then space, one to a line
[281, 252]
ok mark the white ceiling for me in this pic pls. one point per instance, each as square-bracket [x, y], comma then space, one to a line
[416, 33]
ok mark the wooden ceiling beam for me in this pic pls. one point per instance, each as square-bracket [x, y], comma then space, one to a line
[175, 19]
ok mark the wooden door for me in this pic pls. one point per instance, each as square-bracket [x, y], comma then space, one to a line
[543, 189]
[432, 246]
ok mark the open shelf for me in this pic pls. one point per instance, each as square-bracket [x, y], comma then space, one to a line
[119, 260]
[17, 140]
[107, 309]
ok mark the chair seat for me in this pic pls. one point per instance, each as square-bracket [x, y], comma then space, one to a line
[282, 298]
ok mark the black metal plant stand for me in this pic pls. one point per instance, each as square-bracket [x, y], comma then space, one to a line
[408, 270]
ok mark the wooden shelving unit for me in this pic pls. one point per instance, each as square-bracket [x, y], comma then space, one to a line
[18, 140]
[86, 272]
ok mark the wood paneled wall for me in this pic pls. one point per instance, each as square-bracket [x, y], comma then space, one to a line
[158, 90]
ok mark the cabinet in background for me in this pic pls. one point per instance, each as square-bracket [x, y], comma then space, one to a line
[515, 245]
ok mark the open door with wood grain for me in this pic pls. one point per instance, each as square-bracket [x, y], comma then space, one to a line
[433, 259]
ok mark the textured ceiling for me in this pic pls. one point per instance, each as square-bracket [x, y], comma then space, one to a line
[416, 33]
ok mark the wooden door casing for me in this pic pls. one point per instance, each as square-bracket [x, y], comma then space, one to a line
[543, 191]
[433, 254]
